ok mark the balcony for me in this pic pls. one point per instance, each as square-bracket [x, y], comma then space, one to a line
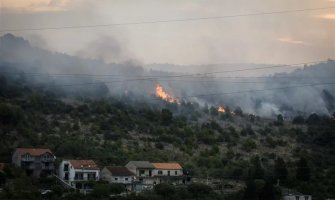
[85, 179]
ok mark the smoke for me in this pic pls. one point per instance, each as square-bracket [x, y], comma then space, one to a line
[112, 65]
[108, 49]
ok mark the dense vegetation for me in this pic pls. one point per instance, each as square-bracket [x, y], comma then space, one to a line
[240, 153]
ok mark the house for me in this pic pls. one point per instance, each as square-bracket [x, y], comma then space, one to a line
[79, 173]
[143, 173]
[118, 174]
[167, 169]
[36, 162]
[168, 173]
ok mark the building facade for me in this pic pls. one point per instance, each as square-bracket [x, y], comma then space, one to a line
[118, 174]
[79, 173]
[36, 162]
[143, 173]
[167, 173]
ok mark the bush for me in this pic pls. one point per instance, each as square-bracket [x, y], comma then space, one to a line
[199, 189]
[249, 145]
[164, 189]
[298, 120]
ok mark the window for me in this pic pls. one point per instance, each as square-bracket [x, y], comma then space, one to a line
[160, 172]
[116, 179]
[126, 179]
[168, 173]
[27, 156]
[91, 176]
[142, 172]
[66, 167]
[45, 157]
[79, 176]
[175, 172]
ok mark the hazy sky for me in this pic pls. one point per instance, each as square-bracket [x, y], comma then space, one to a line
[283, 38]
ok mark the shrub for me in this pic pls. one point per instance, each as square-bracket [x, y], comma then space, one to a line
[199, 189]
[249, 145]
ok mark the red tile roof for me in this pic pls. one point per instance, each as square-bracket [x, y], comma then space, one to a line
[84, 164]
[173, 166]
[32, 151]
[120, 171]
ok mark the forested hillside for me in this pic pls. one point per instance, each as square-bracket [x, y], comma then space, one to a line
[248, 155]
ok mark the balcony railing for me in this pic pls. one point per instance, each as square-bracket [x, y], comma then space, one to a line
[85, 178]
[144, 175]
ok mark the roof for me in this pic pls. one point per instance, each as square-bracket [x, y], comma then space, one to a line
[119, 171]
[173, 166]
[84, 164]
[32, 151]
[142, 164]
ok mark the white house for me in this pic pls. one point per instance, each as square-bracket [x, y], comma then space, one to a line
[79, 173]
[167, 169]
[167, 173]
[118, 174]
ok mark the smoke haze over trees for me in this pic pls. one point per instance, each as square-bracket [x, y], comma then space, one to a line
[72, 74]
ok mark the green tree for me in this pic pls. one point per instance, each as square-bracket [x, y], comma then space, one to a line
[298, 120]
[303, 170]
[249, 144]
[164, 190]
[257, 170]
[214, 111]
[280, 170]
[199, 190]
[250, 192]
[280, 120]
[269, 192]
[238, 111]
[166, 116]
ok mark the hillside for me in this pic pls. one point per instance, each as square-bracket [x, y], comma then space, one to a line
[113, 130]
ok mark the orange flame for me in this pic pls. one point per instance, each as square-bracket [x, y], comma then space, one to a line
[160, 92]
[221, 109]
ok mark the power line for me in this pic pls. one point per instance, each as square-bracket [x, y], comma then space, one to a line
[169, 76]
[214, 94]
[168, 21]
[249, 91]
